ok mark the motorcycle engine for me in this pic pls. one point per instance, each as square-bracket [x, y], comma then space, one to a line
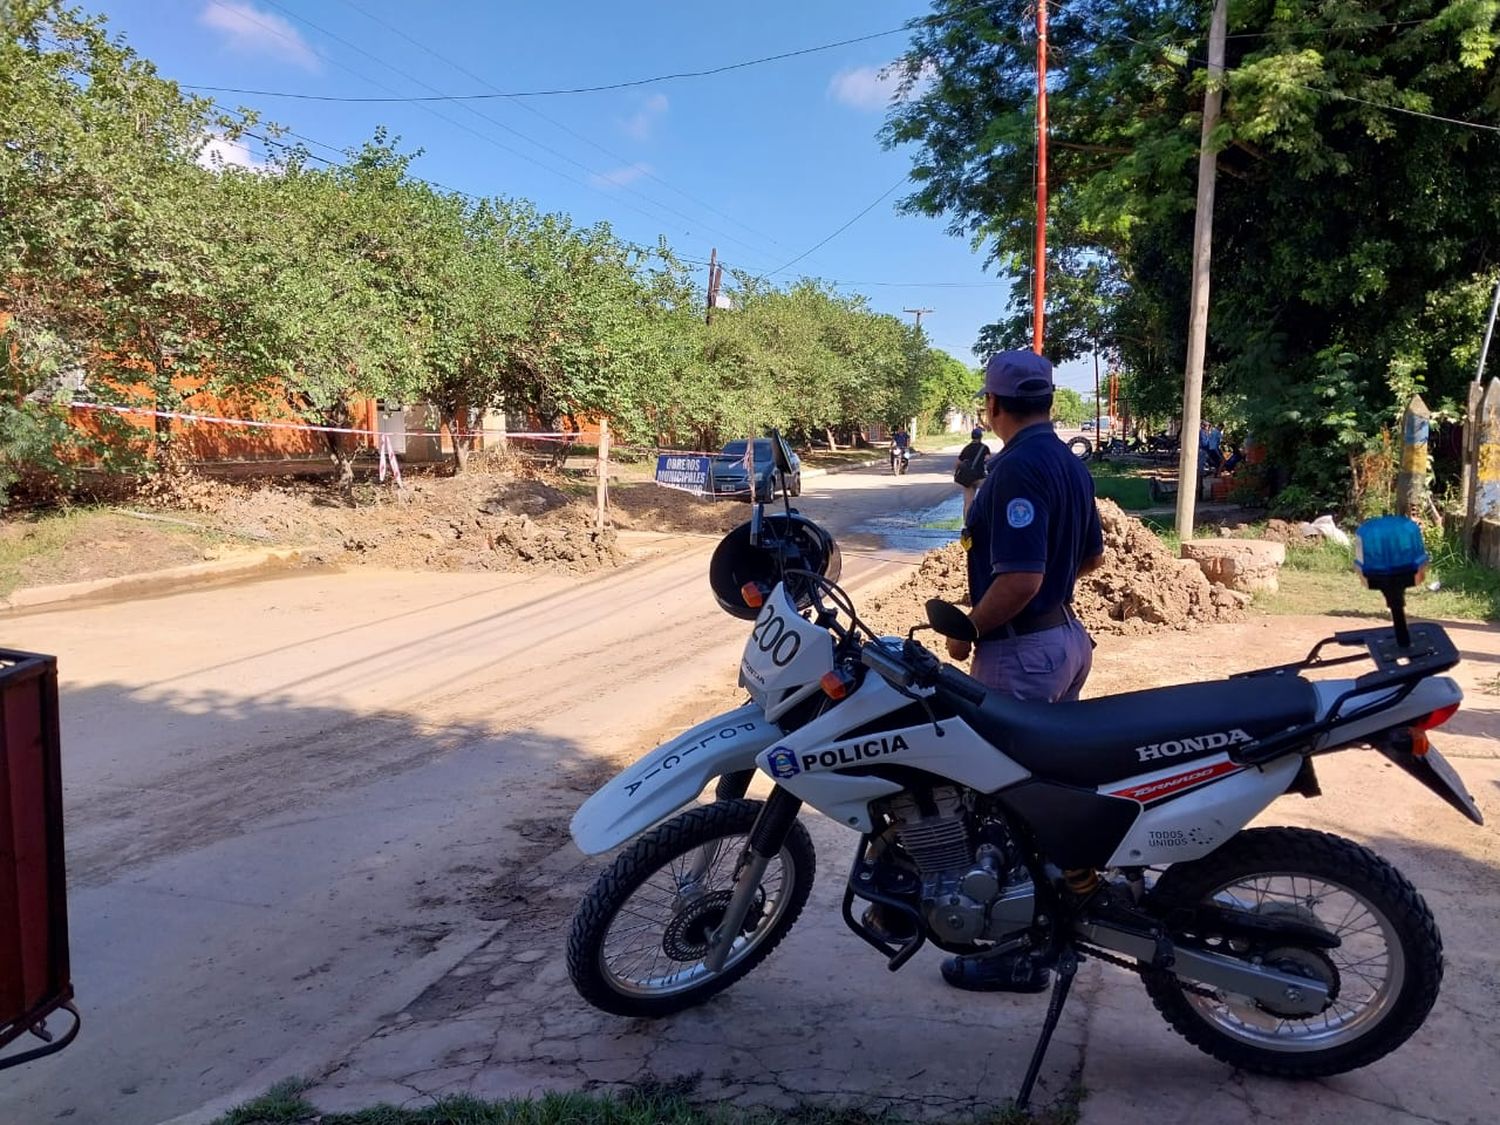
[972, 889]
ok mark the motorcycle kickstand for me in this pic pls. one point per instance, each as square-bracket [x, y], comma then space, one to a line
[1067, 969]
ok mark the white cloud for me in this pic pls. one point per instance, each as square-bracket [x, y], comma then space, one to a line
[642, 123]
[221, 152]
[874, 87]
[251, 31]
[619, 177]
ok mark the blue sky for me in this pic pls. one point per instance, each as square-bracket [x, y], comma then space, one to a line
[762, 162]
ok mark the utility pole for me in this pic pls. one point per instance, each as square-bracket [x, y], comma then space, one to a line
[715, 273]
[918, 314]
[1203, 229]
[1039, 280]
[1097, 404]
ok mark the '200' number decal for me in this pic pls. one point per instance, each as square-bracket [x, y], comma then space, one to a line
[774, 639]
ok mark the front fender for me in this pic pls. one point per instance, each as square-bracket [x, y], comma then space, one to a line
[670, 776]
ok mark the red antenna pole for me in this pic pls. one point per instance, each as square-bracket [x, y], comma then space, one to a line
[1039, 280]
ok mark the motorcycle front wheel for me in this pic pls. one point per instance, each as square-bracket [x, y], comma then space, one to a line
[1383, 977]
[640, 935]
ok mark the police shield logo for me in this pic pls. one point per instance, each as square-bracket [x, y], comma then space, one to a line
[783, 763]
[1019, 513]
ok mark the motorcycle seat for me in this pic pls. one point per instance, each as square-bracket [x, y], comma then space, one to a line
[1097, 741]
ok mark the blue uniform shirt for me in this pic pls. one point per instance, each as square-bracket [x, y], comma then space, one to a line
[1035, 514]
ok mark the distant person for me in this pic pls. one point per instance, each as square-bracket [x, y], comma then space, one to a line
[968, 470]
[1215, 446]
[900, 444]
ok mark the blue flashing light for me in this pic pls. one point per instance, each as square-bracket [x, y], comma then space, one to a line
[1389, 547]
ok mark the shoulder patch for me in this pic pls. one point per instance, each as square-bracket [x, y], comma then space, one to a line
[1019, 512]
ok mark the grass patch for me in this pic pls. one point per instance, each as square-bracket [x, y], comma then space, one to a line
[954, 524]
[29, 540]
[1321, 579]
[1127, 485]
[835, 459]
[650, 1104]
[1131, 493]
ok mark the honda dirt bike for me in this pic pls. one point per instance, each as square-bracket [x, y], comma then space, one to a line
[1283, 951]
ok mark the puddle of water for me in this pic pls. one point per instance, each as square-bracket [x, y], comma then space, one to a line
[910, 530]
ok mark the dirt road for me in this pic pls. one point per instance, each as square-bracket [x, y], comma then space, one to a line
[292, 804]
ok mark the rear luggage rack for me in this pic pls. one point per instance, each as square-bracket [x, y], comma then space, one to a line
[1398, 668]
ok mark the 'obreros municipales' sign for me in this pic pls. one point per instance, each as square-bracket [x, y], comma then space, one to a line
[688, 474]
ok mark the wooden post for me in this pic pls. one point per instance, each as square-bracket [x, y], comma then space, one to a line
[1203, 224]
[1466, 459]
[601, 490]
[1411, 481]
[1486, 469]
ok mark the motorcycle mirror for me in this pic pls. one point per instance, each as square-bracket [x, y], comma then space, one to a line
[779, 452]
[947, 620]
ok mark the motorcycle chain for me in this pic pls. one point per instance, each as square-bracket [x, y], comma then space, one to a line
[1132, 966]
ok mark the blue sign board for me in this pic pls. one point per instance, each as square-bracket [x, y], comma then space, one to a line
[689, 474]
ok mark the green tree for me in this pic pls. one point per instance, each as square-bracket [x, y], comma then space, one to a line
[326, 300]
[1069, 408]
[104, 235]
[1353, 242]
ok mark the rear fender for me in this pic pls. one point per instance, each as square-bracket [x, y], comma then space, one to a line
[1432, 694]
[670, 777]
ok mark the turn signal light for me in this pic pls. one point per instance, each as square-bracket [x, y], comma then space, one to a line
[836, 684]
[1436, 718]
[754, 594]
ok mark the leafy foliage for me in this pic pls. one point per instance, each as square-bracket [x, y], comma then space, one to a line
[316, 287]
[1354, 243]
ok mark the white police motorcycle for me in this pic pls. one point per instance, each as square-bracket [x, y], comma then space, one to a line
[1282, 951]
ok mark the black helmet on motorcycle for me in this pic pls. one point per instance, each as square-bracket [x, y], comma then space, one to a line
[804, 546]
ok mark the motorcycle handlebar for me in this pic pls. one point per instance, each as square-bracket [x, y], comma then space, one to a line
[879, 659]
[957, 683]
[916, 665]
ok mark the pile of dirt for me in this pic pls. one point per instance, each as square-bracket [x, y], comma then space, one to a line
[1290, 533]
[1140, 588]
[481, 520]
[646, 506]
[499, 515]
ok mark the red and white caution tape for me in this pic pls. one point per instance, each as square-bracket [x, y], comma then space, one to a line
[308, 427]
[388, 455]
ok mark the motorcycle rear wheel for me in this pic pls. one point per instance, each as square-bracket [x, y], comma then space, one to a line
[1385, 973]
[640, 935]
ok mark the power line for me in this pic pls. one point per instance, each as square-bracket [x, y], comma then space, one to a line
[819, 245]
[623, 85]
[470, 129]
[1322, 91]
[509, 129]
[274, 143]
[646, 172]
[923, 284]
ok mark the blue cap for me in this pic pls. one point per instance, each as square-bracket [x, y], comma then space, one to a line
[976, 433]
[1018, 375]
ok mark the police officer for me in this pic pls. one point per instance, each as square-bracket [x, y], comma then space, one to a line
[1032, 530]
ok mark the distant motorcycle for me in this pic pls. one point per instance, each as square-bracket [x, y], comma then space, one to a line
[900, 459]
[1282, 951]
